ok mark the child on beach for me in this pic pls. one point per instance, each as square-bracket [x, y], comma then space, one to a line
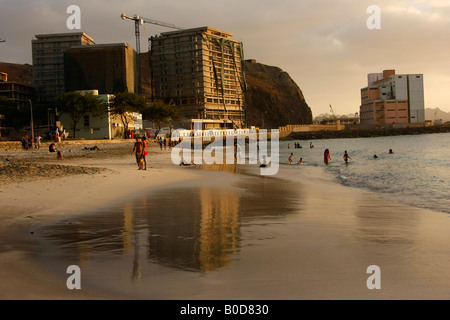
[326, 156]
[37, 145]
[290, 158]
[346, 156]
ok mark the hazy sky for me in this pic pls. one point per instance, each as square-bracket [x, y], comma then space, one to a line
[324, 45]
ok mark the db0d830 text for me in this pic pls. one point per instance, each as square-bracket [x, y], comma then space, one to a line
[246, 309]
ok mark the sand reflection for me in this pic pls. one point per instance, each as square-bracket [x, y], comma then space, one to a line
[196, 229]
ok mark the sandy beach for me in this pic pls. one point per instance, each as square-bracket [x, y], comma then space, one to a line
[315, 240]
[37, 188]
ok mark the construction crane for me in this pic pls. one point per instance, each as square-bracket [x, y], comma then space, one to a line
[138, 20]
[332, 112]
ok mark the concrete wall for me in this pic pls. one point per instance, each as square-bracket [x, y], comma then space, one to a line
[416, 98]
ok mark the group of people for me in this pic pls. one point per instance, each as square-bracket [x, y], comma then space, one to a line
[166, 142]
[327, 156]
[140, 151]
[27, 142]
[291, 160]
[296, 146]
[57, 135]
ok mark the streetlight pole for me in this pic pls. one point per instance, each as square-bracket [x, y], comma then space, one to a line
[32, 124]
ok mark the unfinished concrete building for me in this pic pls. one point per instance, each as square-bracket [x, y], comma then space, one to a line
[201, 71]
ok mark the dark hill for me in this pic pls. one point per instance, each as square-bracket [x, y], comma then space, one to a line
[273, 98]
[21, 73]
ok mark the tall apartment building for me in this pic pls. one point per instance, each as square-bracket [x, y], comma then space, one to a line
[201, 71]
[107, 68]
[48, 61]
[392, 99]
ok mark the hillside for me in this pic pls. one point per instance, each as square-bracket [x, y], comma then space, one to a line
[22, 73]
[436, 114]
[273, 98]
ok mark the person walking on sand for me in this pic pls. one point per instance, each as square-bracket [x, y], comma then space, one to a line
[38, 142]
[326, 156]
[144, 151]
[138, 150]
[346, 156]
[290, 158]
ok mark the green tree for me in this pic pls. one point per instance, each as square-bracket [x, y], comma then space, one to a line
[78, 104]
[161, 114]
[15, 116]
[124, 104]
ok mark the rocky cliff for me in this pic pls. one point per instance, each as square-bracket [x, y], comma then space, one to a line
[273, 98]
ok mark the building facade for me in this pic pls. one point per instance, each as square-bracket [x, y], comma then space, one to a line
[108, 68]
[48, 62]
[201, 71]
[392, 99]
[15, 91]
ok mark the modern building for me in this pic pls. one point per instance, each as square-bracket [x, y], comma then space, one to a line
[392, 99]
[15, 91]
[48, 62]
[108, 68]
[201, 71]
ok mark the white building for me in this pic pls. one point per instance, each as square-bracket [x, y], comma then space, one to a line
[107, 127]
[393, 98]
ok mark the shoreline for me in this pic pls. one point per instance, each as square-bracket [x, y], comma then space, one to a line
[24, 277]
[366, 133]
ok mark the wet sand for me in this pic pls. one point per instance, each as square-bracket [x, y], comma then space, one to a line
[182, 233]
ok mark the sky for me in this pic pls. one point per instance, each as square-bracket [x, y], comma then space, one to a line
[324, 45]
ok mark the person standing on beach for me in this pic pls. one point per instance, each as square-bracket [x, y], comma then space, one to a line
[326, 156]
[346, 156]
[138, 149]
[144, 151]
[38, 142]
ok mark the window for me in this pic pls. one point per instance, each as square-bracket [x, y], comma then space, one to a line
[86, 121]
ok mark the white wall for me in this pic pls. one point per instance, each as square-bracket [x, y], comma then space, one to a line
[400, 86]
[416, 98]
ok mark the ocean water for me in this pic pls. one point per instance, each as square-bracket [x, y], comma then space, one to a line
[416, 174]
